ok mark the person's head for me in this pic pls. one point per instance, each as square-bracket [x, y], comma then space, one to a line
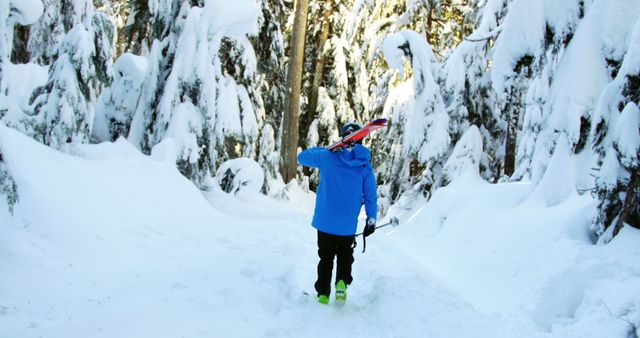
[349, 128]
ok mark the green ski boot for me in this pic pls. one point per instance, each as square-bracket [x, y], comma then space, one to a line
[341, 292]
[322, 299]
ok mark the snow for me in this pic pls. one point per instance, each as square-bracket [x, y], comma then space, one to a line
[119, 101]
[229, 122]
[582, 73]
[522, 34]
[22, 80]
[185, 128]
[561, 15]
[112, 236]
[165, 151]
[558, 182]
[25, 12]
[246, 175]
[618, 18]
[631, 62]
[426, 124]
[627, 130]
[531, 265]
[236, 18]
[465, 156]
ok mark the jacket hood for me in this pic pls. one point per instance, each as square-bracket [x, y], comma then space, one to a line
[357, 156]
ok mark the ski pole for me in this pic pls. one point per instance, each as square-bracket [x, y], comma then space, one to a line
[393, 222]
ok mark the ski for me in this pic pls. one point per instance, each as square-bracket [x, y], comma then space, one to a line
[359, 134]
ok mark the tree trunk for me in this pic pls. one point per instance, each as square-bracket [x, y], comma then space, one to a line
[288, 163]
[19, 53]
[629, 202]
[430, 22]
[510, 143]
[318, 70]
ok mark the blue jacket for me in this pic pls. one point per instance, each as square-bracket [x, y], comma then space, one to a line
[346, 182]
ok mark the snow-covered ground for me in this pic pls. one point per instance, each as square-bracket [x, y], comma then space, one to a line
[113, 243]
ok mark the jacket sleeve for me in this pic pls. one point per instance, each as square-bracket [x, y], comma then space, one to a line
[312, 157]
[370, 193]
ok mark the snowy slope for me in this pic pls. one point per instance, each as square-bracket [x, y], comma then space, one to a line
[112, 243]
[115, 244]
[504, 250]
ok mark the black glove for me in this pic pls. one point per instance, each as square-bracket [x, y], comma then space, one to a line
[370, 227]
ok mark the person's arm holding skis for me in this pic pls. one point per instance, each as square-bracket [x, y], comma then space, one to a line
[312, 157]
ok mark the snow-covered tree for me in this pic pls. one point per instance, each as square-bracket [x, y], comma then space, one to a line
[23, 12]
[80, 70]
[331, 103]
[320, 27]
[269, 159]
[167, 20]
[199, 104]
[136, 36]
[464, 159]
[516, 59]
[339, 86]
[581, 64]
[419, 118]
[59, 17]
[12, 12]
[117, 103]
[616, 137]
[467, 87]
[324, 128]
[8, 187]
[269, 46]
[240, 62]
[618, 182]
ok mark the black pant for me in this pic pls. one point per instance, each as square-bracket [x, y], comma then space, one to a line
[330, 246]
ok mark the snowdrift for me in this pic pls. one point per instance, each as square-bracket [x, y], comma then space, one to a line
[512, 255]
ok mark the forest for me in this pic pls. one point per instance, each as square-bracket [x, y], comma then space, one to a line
[504, 86]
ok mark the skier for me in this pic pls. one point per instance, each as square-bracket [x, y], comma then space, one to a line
[346, 182]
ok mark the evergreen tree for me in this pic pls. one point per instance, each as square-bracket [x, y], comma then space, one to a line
[59, 17]
[11, 13]
[210, 115]
[269, 86]
[316, 61]
[80, 69]
[135, 36]
[418, 135]
[339, 83]
[615, 131]
[268, 159]
[8, 187]
[516, 61]
[117, 104]
[467, 88]
[464, 159]
[24, 12]
[618, 182]
[269, 47]
[537, 139]
[165, 26]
